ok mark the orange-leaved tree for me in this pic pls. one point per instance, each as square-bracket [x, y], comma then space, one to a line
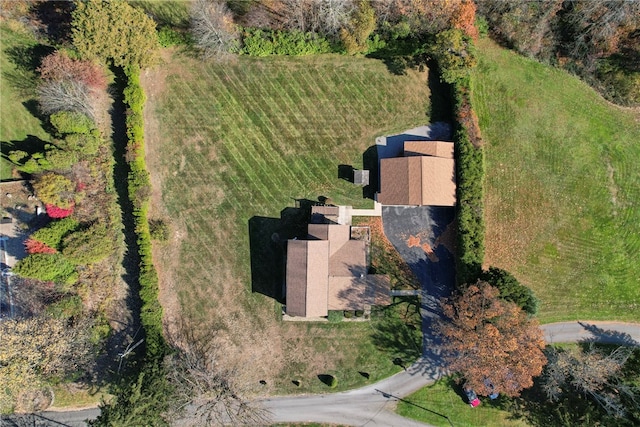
[492, 343]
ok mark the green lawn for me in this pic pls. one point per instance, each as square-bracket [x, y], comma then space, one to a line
[562, 189]
[174, 13]
[232, 142]
[433, 403]
[17, 91]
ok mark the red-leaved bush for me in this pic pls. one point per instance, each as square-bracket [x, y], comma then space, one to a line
[57, 212]
[58, 66]
[37, 247]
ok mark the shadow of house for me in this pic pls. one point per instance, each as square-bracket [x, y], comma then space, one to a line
[370, 163]
[267, 257]
[268, 244]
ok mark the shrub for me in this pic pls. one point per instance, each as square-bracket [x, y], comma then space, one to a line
[59, 66]
[619, 83]
[116, 31]
[55, 189]
[355, 35]
[455, 53]
[67, 122]
[83, 144]
[168, 37]
[139, 187]
[335, 316]
[29, 163]
[482, 25]
[68, 307]
[100, 330]
[159, 230]
[348, 314]
[53, 233]
[48, 268]
[37, 247]
[262, 42]
[134, 96]
[61, 159]
[511, 290]
[56, 212]
[67, 95]
[88, 246]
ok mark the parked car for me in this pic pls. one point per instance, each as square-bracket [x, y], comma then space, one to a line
[494, 394]
[472, 397]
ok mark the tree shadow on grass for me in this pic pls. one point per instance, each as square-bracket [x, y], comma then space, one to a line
[31, 145]
[571, 409]
[396, 329]
[440, 100]
[26, 60]
[56, 19]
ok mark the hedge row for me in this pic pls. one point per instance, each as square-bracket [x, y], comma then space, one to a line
[264, 42]
[470, 172]
[139, 190]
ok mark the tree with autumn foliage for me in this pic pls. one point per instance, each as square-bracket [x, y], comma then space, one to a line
[37, 350]
[486, 338]
[464, 18]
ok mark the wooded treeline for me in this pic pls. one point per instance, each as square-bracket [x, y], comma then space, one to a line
[597, 40]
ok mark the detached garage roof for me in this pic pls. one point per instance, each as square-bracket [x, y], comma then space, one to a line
[429, 148]
[418, 179]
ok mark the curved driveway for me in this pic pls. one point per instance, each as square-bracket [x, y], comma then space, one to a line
[373, 405]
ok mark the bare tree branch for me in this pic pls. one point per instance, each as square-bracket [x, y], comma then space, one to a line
[213, 28]
[206, 393]
[67, 95]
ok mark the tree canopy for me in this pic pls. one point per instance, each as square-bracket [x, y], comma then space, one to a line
[486, 338]
[37, 349]
[115, 31]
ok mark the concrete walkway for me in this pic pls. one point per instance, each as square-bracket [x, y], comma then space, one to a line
[376, 211]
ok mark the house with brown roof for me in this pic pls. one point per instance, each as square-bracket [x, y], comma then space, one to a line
[329, 271]
[424, 176]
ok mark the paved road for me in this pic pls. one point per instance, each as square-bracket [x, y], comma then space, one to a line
[371, 405]
[597, 331]
[51, 419]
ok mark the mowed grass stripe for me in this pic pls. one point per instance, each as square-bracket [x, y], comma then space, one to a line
[271, 127]
[562, 175]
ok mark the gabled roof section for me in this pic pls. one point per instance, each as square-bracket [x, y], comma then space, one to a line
[429, 148]
[424, 177]
[307, 277]
[337, 235]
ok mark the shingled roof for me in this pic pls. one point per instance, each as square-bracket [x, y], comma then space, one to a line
[425, 176]
[329, 272]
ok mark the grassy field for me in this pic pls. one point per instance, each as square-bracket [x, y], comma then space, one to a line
[445, 399]
[230, 147]
[562, 189]
[17, 92]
